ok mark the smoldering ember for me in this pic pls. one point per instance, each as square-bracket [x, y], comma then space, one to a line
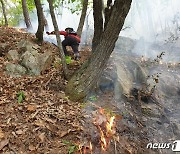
[89, 77]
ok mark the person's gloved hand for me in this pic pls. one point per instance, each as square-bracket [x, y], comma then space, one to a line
[48, 33]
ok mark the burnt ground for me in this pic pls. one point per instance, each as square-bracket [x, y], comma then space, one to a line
[131, 134]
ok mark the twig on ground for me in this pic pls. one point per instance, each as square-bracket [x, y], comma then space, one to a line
[115, 147]
[49, 80]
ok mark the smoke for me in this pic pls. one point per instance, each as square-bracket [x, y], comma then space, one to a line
[150, 23]
[154, 24]
[64, 16]
[151, 18]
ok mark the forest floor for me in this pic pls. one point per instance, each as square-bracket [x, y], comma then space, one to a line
[46, 121]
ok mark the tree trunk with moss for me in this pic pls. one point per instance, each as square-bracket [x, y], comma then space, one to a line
[4, 12]
[82, 18]
[39, 33]
[87, 76]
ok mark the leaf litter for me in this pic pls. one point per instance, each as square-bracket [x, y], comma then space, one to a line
[44, 116]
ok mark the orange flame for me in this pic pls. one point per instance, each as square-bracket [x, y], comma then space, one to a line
[90, 147]
[103, 140]
[80, 149]
[107, 130]
[101, 110]
[109, 125]
[84, 150]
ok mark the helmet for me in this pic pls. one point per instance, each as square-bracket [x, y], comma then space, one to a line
[69, 30]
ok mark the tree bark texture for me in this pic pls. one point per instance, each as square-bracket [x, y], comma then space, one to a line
[107, 12]
[87, 76]
[26, 14]
[39, 33]
[65, 69]
[45, 23]
[82, 18]
[98, 22]
[4, 12]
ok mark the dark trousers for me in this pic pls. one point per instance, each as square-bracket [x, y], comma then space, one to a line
[70, 41]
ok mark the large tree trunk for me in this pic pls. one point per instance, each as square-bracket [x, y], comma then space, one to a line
[4, 12]
[26, 14]
[82, 18]
[39, 33]
[98, 22]
[65, 69]
[86, 78]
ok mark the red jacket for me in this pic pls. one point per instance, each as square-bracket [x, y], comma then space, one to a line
[67, 34]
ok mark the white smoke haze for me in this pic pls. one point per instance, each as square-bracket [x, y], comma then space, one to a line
[64, 18]
[151, 18]
[153, 22]
[148, 22]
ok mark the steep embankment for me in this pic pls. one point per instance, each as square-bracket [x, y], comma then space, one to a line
[44, 121]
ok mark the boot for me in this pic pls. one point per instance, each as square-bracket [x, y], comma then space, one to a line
[76, 56]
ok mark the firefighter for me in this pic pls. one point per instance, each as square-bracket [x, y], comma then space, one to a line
[70, 39]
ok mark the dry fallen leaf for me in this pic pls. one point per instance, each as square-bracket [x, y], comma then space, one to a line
[119, 117]
[3, 143]
[19, 132]
[64, 133]
[39, 123]
[8, 121]
[42, 137]
[51, 120]
[1, 134]
[32, 117]
[32, 148]
[31, 108]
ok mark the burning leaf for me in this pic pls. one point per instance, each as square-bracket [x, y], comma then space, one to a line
[119, 117]
[109, 126]
[100, 119]
[3, 143]
[90, 147]
[106, 127]
[80, 148]
[103, 140]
